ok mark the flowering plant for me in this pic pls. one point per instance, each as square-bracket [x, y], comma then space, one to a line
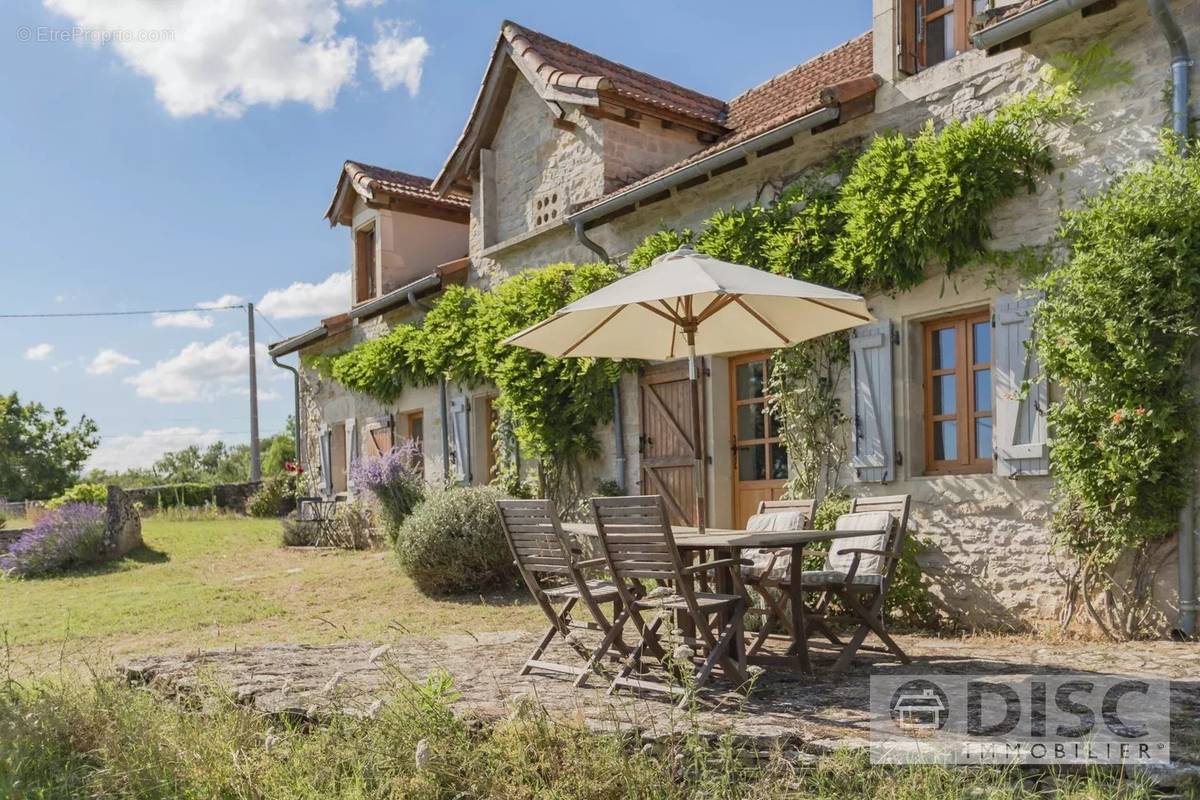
[395, 478]
[68, 535]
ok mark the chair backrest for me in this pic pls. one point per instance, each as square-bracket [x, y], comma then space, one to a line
[536, 538]
[635, 534]
[806, 506]
[897, 506]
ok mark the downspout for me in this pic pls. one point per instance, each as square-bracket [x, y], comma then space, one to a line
[1181, 90]
[618, 417]
[299, 427]
[443, 401]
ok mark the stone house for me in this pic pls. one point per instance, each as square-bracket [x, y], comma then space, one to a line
[567, 156]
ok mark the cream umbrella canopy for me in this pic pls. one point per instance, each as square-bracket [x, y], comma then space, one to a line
[688, 303]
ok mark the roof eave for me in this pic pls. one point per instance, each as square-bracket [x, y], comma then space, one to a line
[1021, 23]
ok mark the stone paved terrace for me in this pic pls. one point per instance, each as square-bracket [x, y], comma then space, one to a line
[813, 715]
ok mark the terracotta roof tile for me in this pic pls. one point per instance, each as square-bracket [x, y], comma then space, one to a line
[369, 179]
[784, 98]
[568, 67]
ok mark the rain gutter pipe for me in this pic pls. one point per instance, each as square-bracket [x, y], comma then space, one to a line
[296, 399]
[1024, 22]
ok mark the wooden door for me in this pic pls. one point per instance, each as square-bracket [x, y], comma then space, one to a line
[760, 466]
[668, 459]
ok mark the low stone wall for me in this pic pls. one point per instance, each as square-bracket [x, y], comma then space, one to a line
[229, 496]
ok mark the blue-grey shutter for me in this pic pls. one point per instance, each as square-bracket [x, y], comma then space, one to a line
[1021, 394]
[461, 430]
[872, 447]
[326, 442]
[353, 451]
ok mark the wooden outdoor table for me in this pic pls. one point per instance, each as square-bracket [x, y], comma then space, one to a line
[728, 543]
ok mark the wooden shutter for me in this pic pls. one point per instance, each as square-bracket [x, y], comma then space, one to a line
[326, 443]
[873, 449]
[906, 30]
[380, 435]
[1021, 394]
[461, 431]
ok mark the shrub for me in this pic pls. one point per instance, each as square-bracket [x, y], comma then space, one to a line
[396, 481]
[301, 532]
[95, 493]
[66, 536]
[275, 497]
[352, 528]
[453, 543]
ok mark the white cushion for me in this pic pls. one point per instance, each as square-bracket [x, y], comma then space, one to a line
[840, 561]
[782, 565]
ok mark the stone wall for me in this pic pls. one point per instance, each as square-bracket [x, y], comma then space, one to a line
[632, 153]
[123, 525]
[229, 496]
[990, 554]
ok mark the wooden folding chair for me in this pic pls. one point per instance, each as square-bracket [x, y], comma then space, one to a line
[635, 534]
[858, 572]
[541, 550]
[768, 573]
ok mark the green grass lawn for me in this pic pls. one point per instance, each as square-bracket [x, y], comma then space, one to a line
[224, 583]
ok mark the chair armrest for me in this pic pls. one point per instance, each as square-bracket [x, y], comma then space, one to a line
[592, 562]
[721, 562]
[868, 551]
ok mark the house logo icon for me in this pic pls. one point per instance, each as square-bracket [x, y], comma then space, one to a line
[919, 706]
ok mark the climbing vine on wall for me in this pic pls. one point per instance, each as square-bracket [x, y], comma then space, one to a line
[1115, 332]
[553, 406]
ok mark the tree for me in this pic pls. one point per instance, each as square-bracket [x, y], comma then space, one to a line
[280, 449]
[41, 453]
[217, 463]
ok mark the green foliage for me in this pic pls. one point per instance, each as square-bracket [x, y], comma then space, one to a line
[41, 453]
[96, 493]
[275, 497]
[1115, 332]
[452, 543]
[280, 450]
[217, 463]
[656, 244]
[382, 367]
[177, 495]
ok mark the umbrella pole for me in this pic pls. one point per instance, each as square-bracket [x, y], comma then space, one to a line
[697, 432]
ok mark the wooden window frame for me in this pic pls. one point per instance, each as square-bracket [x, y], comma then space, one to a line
[772, 439]
[965, 414]
[914, 37]
[366, 269]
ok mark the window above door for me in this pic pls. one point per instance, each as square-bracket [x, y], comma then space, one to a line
[933, 31]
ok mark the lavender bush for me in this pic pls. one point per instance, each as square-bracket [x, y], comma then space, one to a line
[395, 479]
[68, 535]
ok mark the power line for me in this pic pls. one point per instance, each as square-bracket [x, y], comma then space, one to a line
[259, 314]
[61, 314]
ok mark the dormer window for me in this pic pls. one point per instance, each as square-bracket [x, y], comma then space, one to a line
[933, 31]
[364, 263]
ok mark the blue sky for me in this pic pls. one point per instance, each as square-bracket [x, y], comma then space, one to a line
[169, 173]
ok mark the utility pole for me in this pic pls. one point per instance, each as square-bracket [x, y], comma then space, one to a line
[255, 461]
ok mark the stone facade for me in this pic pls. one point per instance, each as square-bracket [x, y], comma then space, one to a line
[989, 554]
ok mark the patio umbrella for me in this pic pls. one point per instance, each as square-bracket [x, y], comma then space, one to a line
[687, 302]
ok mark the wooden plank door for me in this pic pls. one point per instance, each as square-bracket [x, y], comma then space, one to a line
[760, 466]
[668, 460]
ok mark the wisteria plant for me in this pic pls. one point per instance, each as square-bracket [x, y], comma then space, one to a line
[69, 535]
[396, 480]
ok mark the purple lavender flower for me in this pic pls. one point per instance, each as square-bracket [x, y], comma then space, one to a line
[70, 534]
[396, 478]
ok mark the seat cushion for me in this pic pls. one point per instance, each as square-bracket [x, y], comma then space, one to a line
[598, 589]
[761, 559]
[840, 561]
[823, 579]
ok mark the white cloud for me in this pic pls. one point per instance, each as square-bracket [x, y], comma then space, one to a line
[183, 319]
[107, 361]
[223, 301]
[39, 352]
[363, 3]
[222, 58]
[330, 296]
[142, 450]
[397, 59]
[200, 372]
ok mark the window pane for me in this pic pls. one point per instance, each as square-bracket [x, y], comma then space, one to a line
[983, 390]
[934, 5]
[981, 6]
[750, 379]
[945, 441]
[775, 425]
[983, 437]
[752, 463]
[942, 350]
[779, 462]
[751, 423]
[945, 394]
[935, 40]
[948, 46]
[981, 333]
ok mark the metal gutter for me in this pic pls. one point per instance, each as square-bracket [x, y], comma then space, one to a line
[704, 165]
[296, 397]
[1018, 24]
[300, 340]
[396, 297]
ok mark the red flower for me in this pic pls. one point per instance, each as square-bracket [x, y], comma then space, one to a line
[291, 466]
[1140, 411]
[1117, 416]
